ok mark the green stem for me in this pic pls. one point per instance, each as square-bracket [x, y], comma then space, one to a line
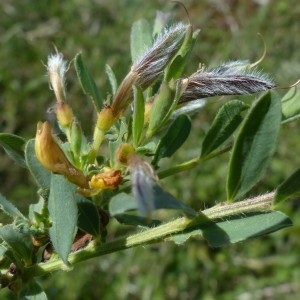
[159, 233]
[191, 163]
[97, 139]
[179, 168]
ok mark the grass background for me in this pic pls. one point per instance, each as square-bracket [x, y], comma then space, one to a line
[264, 268]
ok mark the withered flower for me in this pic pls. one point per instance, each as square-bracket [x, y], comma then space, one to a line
[51, 156]
[57, 67]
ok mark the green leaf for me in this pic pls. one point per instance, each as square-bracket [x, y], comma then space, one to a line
[19, 242]
[41, 175]
[13, 146]
[137, 221]
[121, 203]
[190, 108]
[2, 252]
[162, 200]
[38, 212]
[138, 115]
[176, 67]
[87, 81]
[245, 226]
[287, 189]
[88, 216]
[174, 138]
[112, 79]
[254, 146]
[291, 105]
[238, 228]
[33, 291]
[8, 208]
[78, 142]
[63, 213]
[226, 121]
[161, 22]
[160, 108]
[140, 39]
[147, 148]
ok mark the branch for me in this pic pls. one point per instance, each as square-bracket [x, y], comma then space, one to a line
[156, 234]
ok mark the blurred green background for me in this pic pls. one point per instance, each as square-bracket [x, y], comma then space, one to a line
[264, 268]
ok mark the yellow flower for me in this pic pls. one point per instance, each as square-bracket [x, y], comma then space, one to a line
[109, 179]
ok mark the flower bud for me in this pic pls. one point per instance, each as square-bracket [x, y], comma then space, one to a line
[150, 66]
[51, 156]
[77, 139]
[148, 106]
[232, 78]
[64, 114]
[109, 179]
[105, 119]
[124, 153]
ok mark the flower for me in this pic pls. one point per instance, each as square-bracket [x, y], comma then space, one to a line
[109, 179]
[51, 156]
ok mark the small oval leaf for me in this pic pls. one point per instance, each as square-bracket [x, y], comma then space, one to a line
[13, 146]
[225, 123]
[63, 213]
[254, 146]
[237, 228]
[160, 108]
[112, 78]
[8, 208]
[290, 103]
[242, 227]
[88, 217]
[41, 175]
[176, 135]
[162, 200]
[176, 67]
[140, 39]
[121, 203]
[18, 242]
[287, 189]
[87, 81]
[33, 291]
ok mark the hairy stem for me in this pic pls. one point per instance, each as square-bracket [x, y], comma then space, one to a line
[156, 234]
